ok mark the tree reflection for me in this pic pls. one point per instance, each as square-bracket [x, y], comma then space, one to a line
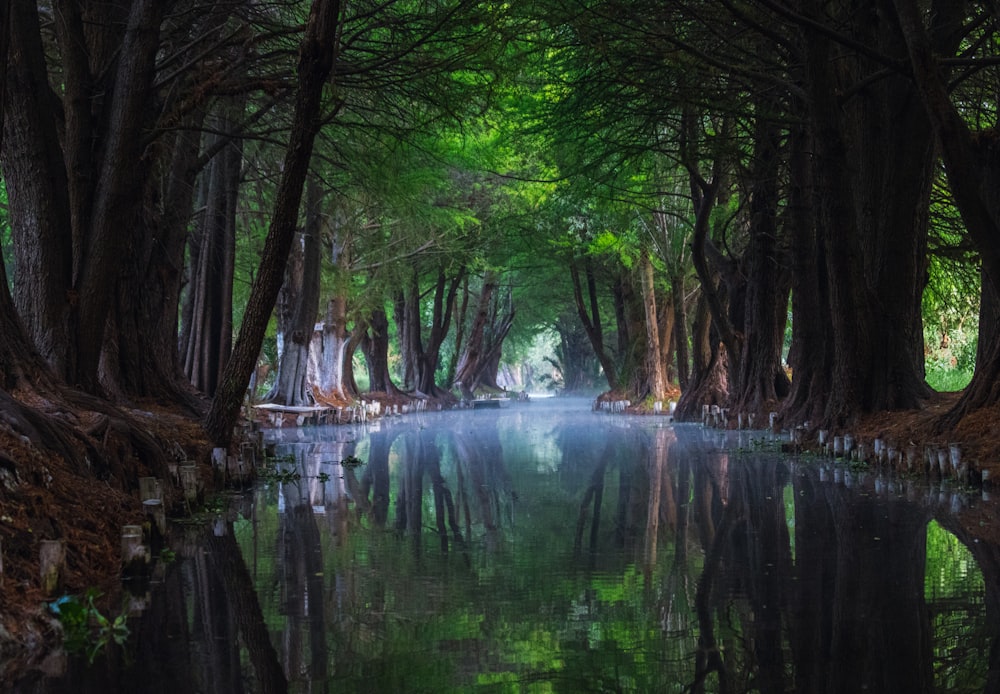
[619, 556]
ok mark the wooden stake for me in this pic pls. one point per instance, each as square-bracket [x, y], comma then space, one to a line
[156, 514]
[189, 482]
[51, 556]
[135, 553]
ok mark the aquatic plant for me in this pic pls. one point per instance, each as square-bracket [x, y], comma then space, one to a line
[85, 629]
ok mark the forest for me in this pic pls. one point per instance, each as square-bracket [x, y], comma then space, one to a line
[787, 206]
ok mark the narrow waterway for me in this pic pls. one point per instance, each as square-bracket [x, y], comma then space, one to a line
[548, 548]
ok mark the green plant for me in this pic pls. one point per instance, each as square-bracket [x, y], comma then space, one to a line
[85, 629]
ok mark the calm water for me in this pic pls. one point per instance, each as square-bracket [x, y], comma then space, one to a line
[547, 548]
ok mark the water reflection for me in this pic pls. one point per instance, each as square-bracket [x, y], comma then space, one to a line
[529, 549]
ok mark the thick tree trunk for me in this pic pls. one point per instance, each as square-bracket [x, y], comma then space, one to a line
[481, 355]
[208, 329]
[873, 163]
[445, 291]
[811, 352]
[762, 379]
[333, 346]
[973, 167]
[315, 62]
[39, 207]
[709, 381]
[118, 198]
[141, 355]
[376, 350]
[300, 295]
[460, 323]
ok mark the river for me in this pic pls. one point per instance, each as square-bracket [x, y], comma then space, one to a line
[548, 548]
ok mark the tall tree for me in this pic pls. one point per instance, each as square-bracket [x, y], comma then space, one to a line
[316, 57]
[973, 166]
[206, 338]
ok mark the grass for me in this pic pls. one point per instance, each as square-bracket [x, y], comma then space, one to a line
[948, 380]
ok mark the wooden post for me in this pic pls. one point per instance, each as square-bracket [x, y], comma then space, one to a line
[156, 515]
[838, 446]
[219, 464]
[135, 553]
[189, 482]
[942, 461]
[248, 453]
[150, 488]
[51, 556]
[955, 456]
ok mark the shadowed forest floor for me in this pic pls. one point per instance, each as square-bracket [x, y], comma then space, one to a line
[42, 497]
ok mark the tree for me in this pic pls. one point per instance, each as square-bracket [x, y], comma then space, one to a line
[298, 304]
[206, 338]
[490, 324]
[315, 63]
[973, 173]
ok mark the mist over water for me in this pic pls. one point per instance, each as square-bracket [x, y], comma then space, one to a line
[547, 547]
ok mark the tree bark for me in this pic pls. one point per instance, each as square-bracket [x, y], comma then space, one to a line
[677, 292]
[445, 291]
[973, 167]
[656, 380]
[590, 316]
[480, 359]
[377, 355]
[208, 328]
[315, 62]
[301, 294]
[873, 165]
[761, 378]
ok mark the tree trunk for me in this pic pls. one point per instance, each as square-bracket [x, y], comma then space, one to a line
[445, 291]
[39, 206]
[677, 292]
[315, 62]
[655, 378]
[590, 316]
[301, 296]
[811, 352]
[141, 355]
[479, 361]
[330, 351]
[460, 321]
[665, 323]
[762, 379]
[873, 163]
[208, 329]
[973, 167]
[377, 355]
[116, 214]
[709, 384]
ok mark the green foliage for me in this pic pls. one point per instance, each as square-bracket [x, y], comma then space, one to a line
[86, 630]
[953, 581]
